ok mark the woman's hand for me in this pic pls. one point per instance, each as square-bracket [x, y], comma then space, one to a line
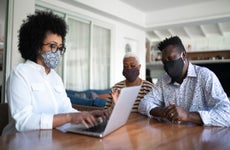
[90, 118]
[85, 118]
[103, 114]
[115, 93]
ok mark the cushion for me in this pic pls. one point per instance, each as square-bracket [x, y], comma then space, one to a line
[82, 95]
[93, 95]
[98, 102]
[89, 97]
[104, 96]
[70, 92]
[80, 101]
[101, 91]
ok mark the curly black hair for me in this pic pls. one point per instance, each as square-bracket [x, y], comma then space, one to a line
[33, 32]
[175, 41]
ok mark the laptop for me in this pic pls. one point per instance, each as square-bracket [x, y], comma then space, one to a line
[118, 117]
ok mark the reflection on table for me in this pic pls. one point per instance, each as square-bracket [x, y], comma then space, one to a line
[140, 132]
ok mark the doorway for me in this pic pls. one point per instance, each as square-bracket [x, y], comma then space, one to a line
[3, 14]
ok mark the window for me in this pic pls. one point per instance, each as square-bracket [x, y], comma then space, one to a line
[86, 63]
[100, 70]
[77, 55]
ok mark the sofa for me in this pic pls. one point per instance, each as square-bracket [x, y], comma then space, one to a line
[92, 98]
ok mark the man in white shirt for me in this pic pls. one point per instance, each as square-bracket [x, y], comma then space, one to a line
[186, 92]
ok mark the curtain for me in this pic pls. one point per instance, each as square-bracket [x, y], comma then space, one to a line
[86, 62]
[77, 55]
[100, 55]
[87, 58]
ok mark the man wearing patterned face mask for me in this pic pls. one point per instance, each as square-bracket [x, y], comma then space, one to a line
[131, 71]
[186, 92]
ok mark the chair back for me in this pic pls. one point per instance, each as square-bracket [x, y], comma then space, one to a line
[4, 118]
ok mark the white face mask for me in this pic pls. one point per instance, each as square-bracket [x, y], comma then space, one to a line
[51, 59]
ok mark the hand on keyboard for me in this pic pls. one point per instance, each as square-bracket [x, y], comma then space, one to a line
[99, 121]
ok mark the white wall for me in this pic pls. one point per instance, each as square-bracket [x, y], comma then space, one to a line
[208, 43]
[203, 11]
[18, 11]
[117, 8]
[120, 31]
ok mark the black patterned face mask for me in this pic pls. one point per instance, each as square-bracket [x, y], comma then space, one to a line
[174, 68]
[131, 74]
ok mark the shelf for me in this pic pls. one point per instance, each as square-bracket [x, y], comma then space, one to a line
[154, 65]
[210, 61]
[209, 55]
[202, 57]
[159, 63]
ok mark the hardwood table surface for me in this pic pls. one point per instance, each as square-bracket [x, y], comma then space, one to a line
[139, 133]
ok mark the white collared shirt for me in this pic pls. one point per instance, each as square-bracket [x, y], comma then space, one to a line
[34, 97]
[199, 92]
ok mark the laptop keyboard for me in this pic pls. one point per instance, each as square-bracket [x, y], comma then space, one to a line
[98, 128]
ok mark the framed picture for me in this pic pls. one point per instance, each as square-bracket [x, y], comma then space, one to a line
[130, 45]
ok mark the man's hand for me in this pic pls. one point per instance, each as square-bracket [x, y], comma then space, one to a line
[175, 113]
[178, 115]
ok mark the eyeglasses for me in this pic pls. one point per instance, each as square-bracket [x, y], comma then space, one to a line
[54, 48]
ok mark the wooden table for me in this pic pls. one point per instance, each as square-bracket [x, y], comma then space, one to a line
[139, 133]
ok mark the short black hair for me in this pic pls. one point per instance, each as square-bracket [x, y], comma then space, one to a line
[33, 32]
[175, 41]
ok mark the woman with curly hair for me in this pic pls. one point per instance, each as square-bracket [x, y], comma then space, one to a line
[35, 92]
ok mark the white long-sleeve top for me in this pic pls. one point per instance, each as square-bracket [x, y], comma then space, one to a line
[34, 97]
